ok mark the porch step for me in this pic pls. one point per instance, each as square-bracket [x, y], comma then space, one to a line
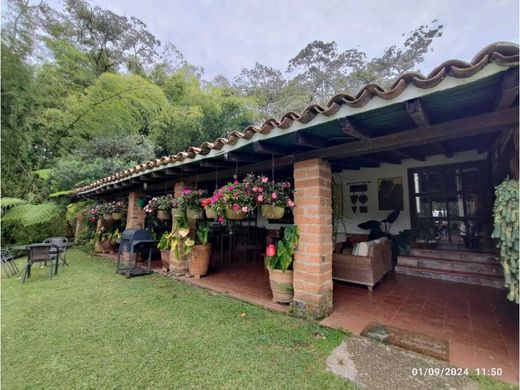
[455, 255]
[478, 267]
[452, 276]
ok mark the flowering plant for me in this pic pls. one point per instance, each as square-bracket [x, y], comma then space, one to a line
[192, 199]
[91, 213]
[118, 206]
[281, 256]
[104, 208]
[161, 203]
[269, 192]
[236, 195]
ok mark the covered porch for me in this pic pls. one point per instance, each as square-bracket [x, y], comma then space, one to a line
[479, 324]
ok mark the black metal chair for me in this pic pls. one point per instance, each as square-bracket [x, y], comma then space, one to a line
[41, 253]
[61, 243]
[8, 263]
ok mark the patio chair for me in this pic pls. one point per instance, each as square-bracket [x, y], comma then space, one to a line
[40, 253]
[8, 263]
[60, 242]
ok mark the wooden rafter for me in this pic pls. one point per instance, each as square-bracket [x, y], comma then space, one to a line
[348, 128]
[409, 155]
[508, 89]
[264, 148]
[242, 157]
[420, 117]
[309, 140]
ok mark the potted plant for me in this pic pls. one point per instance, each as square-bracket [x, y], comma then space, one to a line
[279, 260]
[427, 235]
[117, 208]
[162, 205]
[273, 197]
[191, 202]
[198, 263]
[104, 238]
[180, 245]
[209, 208]
[235, 201]
[164, 248]
[105, 209]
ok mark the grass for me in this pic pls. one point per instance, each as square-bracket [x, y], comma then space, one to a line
[91, 328]
[489, 383]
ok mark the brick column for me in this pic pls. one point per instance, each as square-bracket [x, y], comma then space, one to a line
[80, 227]
[135, 216]
[313, 257]
[99, 224]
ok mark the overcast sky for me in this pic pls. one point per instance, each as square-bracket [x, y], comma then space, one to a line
[223, 36]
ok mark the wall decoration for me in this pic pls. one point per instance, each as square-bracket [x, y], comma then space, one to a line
[358, 197]
[390, 193]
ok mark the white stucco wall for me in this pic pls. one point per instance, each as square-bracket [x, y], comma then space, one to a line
[372, 175]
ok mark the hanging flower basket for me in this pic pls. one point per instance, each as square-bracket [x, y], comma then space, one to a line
[177, 213]
[164, 215]
[272, 212]
[117, 216]
[194, 214]
[211, 213]
[234, 215]
[107, 217]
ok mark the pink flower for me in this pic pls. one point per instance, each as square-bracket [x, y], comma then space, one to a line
[260, 189]
[230, 188]
[290, 203]
[265, 179]
[274, 196]
[236, 207]
[271, 250]
[260, 198]
[255, 189]
[235, 182]
[245, 209]
[221, 219]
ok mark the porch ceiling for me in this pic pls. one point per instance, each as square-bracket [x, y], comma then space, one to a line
[459, 113]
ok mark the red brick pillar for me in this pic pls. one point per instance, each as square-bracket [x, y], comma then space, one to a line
[80, 227]
[313, 257]
[99, 224]
[136, 215]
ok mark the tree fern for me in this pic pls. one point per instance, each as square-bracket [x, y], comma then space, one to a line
[33, 214]
[10, 202]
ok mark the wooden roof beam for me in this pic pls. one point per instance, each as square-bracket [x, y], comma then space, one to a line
[215, 164]
[309, 140]
[348, 128]
[242, 157]
[264, 148]
[420, 117]
[410, 155]
[508, 90]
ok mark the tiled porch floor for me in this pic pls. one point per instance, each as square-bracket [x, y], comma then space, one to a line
[479, 323]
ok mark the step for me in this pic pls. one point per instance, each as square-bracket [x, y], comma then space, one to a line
[455, 255]
[452, 276]
[476, 267]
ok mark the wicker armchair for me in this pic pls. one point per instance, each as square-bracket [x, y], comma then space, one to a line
[366, 270]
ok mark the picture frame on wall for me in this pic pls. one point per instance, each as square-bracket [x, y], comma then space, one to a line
[390, 193]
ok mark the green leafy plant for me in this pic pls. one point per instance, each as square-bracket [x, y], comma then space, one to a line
[283, 257]
[29, 214]
[505, 212]
[178, 239]
[203, 233]
[191, 199]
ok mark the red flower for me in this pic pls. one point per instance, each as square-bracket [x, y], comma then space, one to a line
[205, 202]
[271, 250]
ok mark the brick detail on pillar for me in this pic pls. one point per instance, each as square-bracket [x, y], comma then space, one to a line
[136, 216]
[80, 227]
[99, 224]
[313, 257]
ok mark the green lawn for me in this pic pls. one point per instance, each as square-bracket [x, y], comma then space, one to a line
[91, 328]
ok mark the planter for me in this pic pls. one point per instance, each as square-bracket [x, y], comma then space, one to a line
[164, 215]
[272, 212]
[281, 285]
[117, 216]
[165, 258]
[211, 213]
[194, 214]
[107, 217]
[234, 215]
[178, 267]
[200, 258]
[177, 213]
[107, 246]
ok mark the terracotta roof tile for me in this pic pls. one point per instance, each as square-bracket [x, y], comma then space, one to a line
[501, 53]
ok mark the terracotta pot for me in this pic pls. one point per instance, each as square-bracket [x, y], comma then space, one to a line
[211, 213]
[164, 215]
[272, 212]
[281, 285]
[165, 258]
[178, 266]
[200, 258]
[194, 214]
[177, 213]
[107, 246]
[107, 217]
[234, 215]
[117, 216]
